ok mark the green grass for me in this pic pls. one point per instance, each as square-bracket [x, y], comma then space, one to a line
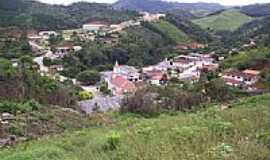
[233, 134]
[170, 31]
[228, 20]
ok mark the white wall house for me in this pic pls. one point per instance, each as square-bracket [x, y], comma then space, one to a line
[94, 26]
[238, 78]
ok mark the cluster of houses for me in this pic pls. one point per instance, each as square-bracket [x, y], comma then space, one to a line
[126, 79]
[183, 67]
[99, 31]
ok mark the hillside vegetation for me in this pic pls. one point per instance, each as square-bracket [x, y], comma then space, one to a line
[33, 14]
[257, 10]
[163, 6]
[228, 20]
[170, 31]
[240, 132]
[255, 58]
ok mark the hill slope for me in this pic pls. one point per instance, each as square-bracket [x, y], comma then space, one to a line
[257, 10]
[163, 6]
[33, 14]
[229, 20]
[258, 29]
[239, 133]
[169, 31]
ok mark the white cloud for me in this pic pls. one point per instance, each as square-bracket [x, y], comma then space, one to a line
[224, 2]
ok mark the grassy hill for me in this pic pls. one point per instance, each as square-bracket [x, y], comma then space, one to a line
[240, 132]
[169, 31]
[227, 20]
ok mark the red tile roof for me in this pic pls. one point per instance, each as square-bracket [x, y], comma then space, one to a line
[123, 84]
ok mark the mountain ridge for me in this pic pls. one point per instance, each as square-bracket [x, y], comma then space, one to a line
[164, 6]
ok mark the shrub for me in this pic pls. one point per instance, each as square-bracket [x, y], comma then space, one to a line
[84, 95]
[142, 102]
[30, 105]
[10, 107]
[104, 89]
[17, 129]
[13, 107]
[113, 141]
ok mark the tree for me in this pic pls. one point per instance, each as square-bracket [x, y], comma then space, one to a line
[89, 77]
[54, 40]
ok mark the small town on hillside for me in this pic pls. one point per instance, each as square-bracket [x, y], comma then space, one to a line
[124, 79]
[134, 80]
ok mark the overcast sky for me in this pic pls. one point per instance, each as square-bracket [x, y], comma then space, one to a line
[224, 2]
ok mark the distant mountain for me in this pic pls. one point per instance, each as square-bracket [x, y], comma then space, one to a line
[226, 20]
[257, 10]
[164, 6]
[33, 14]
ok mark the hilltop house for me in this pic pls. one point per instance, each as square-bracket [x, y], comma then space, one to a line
[61, 50]
[148, 17]
[94, 26]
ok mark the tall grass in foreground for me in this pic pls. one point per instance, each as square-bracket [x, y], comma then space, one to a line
[239, 133]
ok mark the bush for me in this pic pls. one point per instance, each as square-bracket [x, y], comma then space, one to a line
[143, 102]
[84, 95]
[113, 141]
[30, 105]
[49, 62]
[104, 88]
[13, 107]
[17, 129]
[10, 107]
